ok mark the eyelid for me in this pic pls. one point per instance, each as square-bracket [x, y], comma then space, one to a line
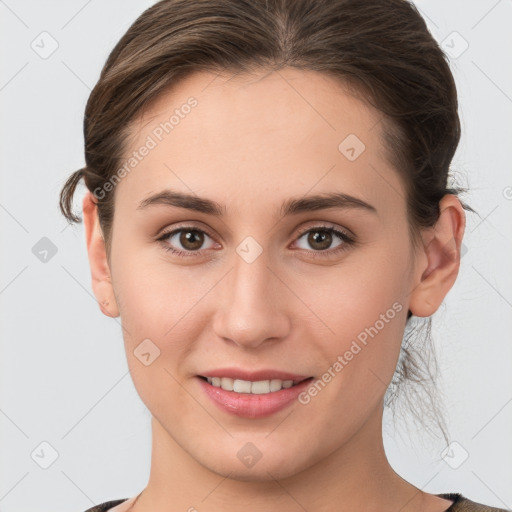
[326, 225]
[168, 233]
[312, 225]
[346, 235]
[196, 225]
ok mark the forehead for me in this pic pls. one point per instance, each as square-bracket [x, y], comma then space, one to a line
[265, 134]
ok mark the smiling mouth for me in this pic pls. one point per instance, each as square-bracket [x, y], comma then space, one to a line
[260, 387]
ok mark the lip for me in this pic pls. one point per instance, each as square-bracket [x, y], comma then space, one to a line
[265, 374]
[252, 406]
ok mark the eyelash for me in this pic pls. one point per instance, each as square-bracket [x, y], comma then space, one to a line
[347, 240]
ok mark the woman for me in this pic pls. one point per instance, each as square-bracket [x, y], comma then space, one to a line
[267, 209]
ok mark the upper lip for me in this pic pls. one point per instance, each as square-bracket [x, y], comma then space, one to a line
[254, 376]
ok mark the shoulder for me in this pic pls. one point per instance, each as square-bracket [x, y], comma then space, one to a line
[463, 504]
[107, 505]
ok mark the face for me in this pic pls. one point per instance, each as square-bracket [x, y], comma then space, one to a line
[270, 282]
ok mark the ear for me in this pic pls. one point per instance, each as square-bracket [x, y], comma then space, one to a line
[438, 264]
[100, 270]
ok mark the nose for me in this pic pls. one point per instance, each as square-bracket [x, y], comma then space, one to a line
[252, 304]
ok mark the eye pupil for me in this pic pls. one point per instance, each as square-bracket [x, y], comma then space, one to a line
[324, 237]
[191, 239]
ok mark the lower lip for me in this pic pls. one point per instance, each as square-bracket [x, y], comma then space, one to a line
[248, 405]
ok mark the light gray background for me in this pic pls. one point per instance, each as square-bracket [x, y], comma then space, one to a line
[63, 370]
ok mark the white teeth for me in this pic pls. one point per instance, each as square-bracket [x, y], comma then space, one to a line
[260, 387]
[226, 383]
[275, 384]
[242, 386]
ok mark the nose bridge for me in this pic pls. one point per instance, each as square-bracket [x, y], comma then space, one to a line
[252, 306]
[251, 275]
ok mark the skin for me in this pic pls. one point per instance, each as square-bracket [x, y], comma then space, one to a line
[252, 142]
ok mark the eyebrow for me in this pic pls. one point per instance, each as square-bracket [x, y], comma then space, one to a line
[291, 206]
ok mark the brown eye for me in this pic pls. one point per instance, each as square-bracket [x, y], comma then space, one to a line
[185, 241]
[191, 240]
[319, 239]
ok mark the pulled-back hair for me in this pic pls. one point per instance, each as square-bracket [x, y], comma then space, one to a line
[379, 50]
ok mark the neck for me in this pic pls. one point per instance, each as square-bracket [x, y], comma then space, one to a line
[355, 476]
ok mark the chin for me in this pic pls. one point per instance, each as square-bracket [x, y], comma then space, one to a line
[262, 474]
[266, 469]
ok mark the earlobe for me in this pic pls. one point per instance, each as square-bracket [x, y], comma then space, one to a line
[100, 270]
[440, 261]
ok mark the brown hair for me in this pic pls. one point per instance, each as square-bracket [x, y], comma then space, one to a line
[380, 50]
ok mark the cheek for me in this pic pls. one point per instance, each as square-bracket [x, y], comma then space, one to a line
[161, 313]
[156, 316]
[367, 311]
[153, 294]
